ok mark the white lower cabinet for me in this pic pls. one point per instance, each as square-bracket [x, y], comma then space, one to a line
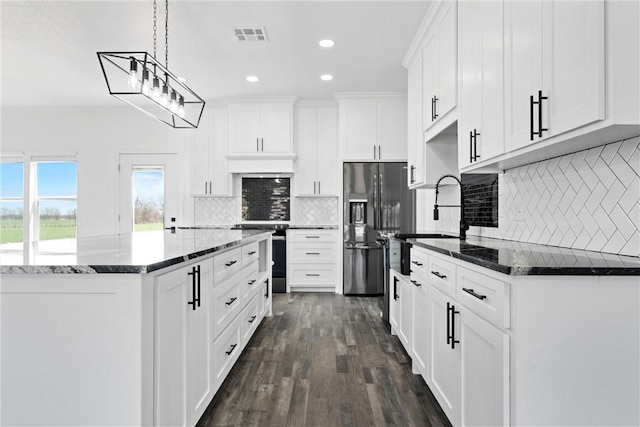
[405, 294]
[312, 264]
[420, 329]
[206, 313]
[394, 301]
[183, 344]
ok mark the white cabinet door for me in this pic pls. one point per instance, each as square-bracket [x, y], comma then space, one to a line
[218, 166]
[573, 76]
[200, 179]
[448, 59]
[183, 345]
[394, 302]
[244, 128]
[392, 129]
[358, 129]
[484, 355]
[275, 128]
[317, 164]
[444, 370]
[199, 340]
[327, 151]
[406, 315]
[420, 331]
[306, 167]
[481, 126]
[415, 140]
[430, 78]
[554, 63]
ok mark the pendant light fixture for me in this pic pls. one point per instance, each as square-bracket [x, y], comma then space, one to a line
[140, 80]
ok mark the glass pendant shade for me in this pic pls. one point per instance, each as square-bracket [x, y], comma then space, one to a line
[128, 78]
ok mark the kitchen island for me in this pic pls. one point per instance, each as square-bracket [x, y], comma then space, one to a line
[130, 329]
[513, 333]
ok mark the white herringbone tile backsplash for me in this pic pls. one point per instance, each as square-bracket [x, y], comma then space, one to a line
[315, 211]
[586, 200]
[218, 211]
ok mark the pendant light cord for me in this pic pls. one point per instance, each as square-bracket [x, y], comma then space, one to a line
[166, 35]
[155, 28]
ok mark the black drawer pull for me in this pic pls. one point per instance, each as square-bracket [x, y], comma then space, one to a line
[416, 283]
[311, 237]
[419, 264]
[312, 253]
[471, 292]
[231, 301]
[233, 347]
[437, 274]
[312, 275]
[251, 282]
[230, 263]
[251, 253]
[253, 318]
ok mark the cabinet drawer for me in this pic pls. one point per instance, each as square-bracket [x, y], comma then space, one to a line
[312, 235]
[226, 350]
[313, 275]
[419, 262]
[226, 264]
[487, 297]
[250, 318]
[227, 303]
[249, 282]
[442, 275]
[249, 253]
[312, 253]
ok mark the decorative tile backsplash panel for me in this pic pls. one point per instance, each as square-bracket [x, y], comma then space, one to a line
[480, 199]
[219, 211]
[266, 199]
[586, 200]
[315, 211]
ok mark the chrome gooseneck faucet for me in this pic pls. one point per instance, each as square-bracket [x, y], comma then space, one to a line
[463, 224]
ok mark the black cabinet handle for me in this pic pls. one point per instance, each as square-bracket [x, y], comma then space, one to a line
[253, 318]
[416, 283]
[419, 264]
[540, 128]
[448, 323]
[374, 152]
[435, 107]
[266, 289]
[318, 187]
[230, 263]
[251, 282]
[312, 253]
[379, 152]
[312, 275]
[413, 168]
[231, 301]
[470, 147]
[205, 187]
[454, 341]
[198, 274]
[210, 187]
[395, 288]
[531, 132]
[471, 292]
[437, 274]
[257, 144]
[475, 145]
[262, 140]
[251, 253]
[194, 283]
[311, 237]
[233, 347]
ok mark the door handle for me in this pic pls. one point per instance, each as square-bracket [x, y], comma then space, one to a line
[435, 107]
[230, 263]
[415, 282]
[251, 282]
[470, 147]
[231, 301]
[266, 289]
[412, 169]
[233, 347]
[253, 318]
[395, 288]
[471, 292]
[374, 152]
[198, 273]
[475, 145]
[262, 141]
[194, 300]
[312, 253]
[540, 128]
[437, 274]
[257, 144]
[251, 253]
[454, 341]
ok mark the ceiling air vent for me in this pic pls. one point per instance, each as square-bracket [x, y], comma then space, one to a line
[249, 34]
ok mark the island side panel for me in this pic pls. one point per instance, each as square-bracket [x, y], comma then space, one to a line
[73, 349]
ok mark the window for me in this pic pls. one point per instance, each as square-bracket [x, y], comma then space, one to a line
[11, 201]
[55, 200]
[47, 210]
[148, 198]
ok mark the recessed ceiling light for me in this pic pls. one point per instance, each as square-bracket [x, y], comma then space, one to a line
[326, 77]
[252, 79]
[182, 79]
[326, 43]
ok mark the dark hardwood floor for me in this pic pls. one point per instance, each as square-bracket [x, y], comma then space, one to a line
[323, 360]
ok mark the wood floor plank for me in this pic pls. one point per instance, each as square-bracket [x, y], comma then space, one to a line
[323, 360]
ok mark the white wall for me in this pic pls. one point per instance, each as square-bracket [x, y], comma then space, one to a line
[97, 135]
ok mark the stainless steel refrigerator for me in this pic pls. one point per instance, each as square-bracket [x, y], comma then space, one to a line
[377, 202]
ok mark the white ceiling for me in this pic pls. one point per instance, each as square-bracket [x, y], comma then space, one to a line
[49, 47]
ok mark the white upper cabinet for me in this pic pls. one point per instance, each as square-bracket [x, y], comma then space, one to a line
[317, 142]
[481, 122]
[210, 173]
[555, 68]
[415, 141]
[260, 128]
[373, 128]
[439, 53]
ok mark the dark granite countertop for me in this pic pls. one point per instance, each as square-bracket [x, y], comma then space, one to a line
[133, 253]
[528, 259]
[312, 227]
